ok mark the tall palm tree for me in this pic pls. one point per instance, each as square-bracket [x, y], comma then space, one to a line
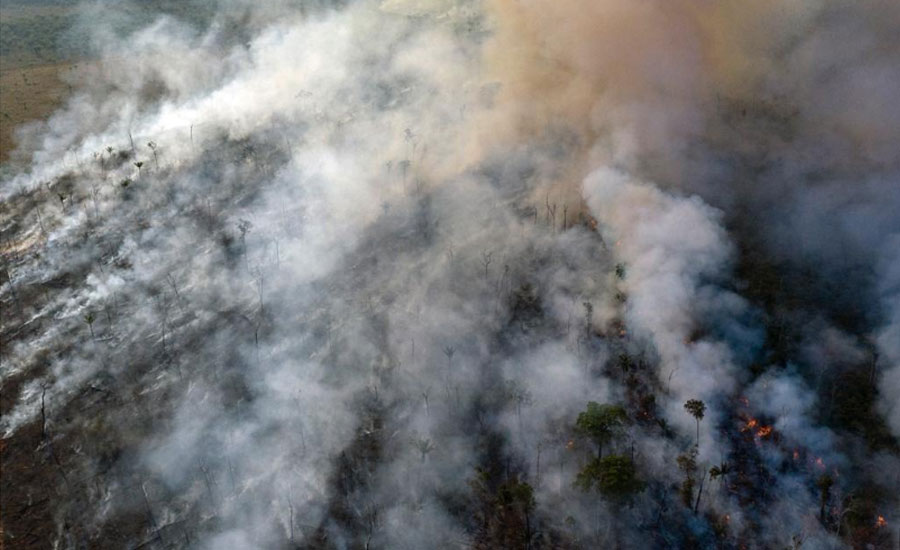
[696, 407]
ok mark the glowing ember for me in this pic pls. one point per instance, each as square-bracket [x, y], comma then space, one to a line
[880, 522]
[570, 444]
[760, 431]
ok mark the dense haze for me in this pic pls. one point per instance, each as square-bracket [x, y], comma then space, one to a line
[344, 274]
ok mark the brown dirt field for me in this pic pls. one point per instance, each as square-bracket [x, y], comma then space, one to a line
[28, 92]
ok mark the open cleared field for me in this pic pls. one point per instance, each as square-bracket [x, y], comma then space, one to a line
[31, 67]
[28, 93]
[42, 41]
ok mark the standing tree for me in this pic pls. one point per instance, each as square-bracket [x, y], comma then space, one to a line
[404, 167]
[105, 163]
[152, 146]
[588, 318]
[699, 491]
[449, 351]
[720, 471]
[615, 477]
[518, 395]
[486, 261]
[517, 498]
[824, 483]
[244, 226]
[505, 509]
[687, 463]
[696, 408]
[424, 394]
[43, 412]
[89, 318]
[601, 423]
[424, 446]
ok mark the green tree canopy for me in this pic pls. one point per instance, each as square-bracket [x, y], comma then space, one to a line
[697, 408]
[602, 423]
[614, 476]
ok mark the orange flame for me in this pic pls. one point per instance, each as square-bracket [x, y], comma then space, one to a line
[757, 429]
[880, 522]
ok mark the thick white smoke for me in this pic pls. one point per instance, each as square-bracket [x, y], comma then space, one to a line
[676, 254]
[345, 276]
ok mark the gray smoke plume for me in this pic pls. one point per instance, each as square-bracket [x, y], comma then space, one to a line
[345, 275]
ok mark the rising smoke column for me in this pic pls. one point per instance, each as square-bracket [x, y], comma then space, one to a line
[760, 111]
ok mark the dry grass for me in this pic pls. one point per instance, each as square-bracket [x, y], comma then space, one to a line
[28, 93]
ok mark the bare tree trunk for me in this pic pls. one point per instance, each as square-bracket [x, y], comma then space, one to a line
[40, 220]
[150, 515]
[43, 414]
[291, 518]
[527, 531]
[699, 493]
